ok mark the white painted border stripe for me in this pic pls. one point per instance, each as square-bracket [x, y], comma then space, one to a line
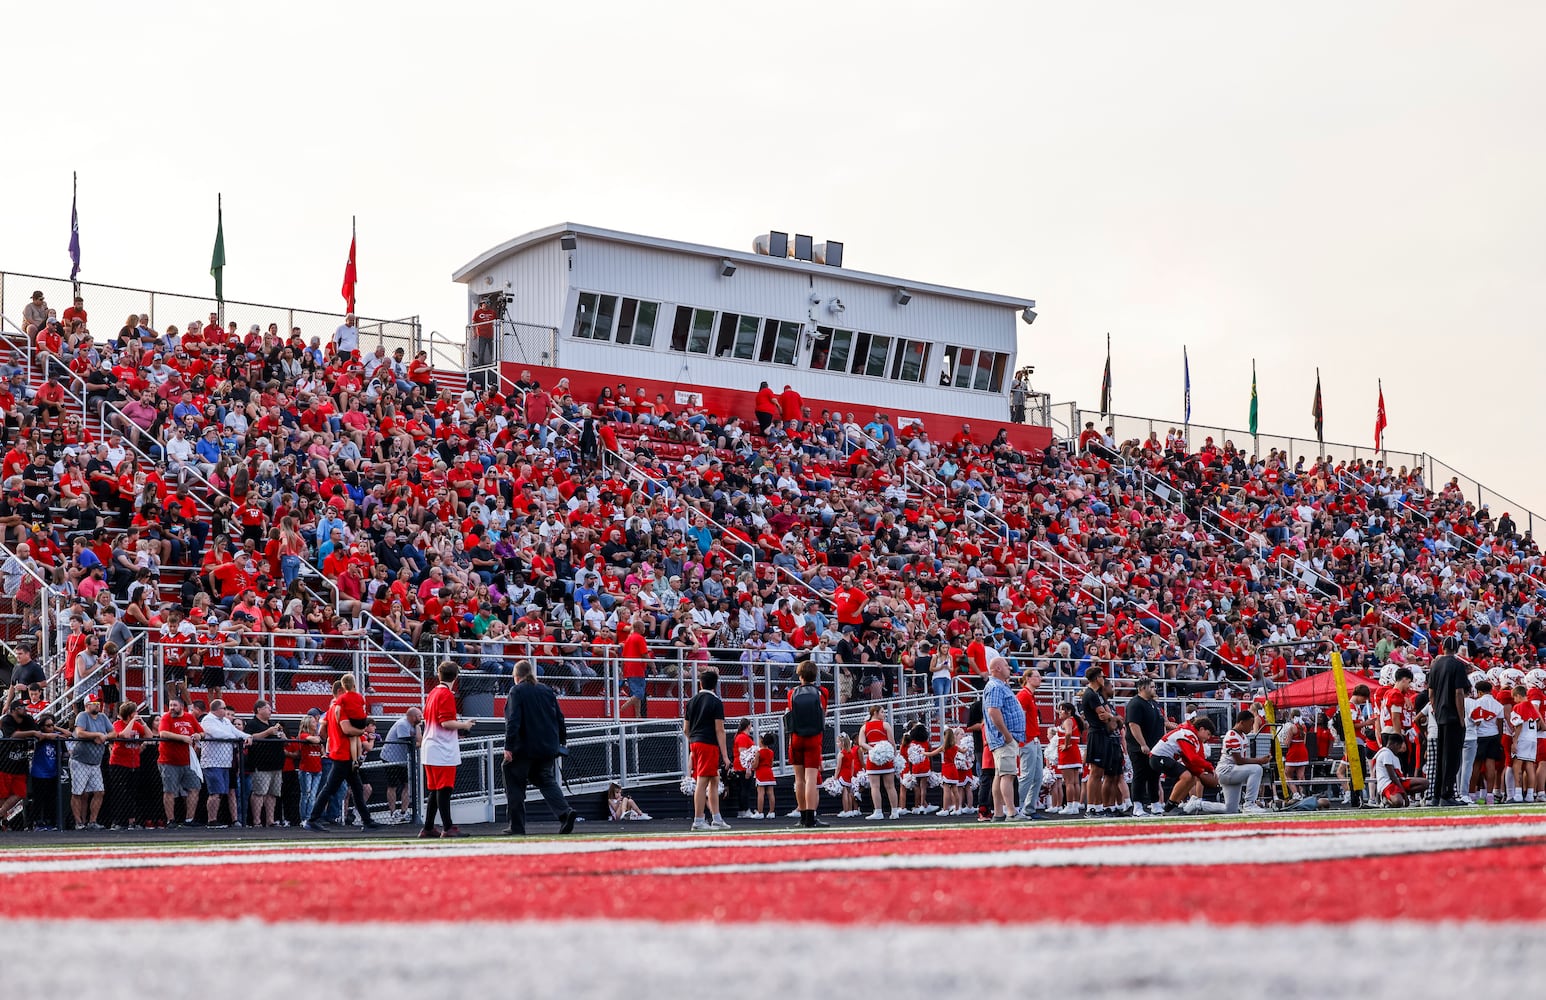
[1255, 850]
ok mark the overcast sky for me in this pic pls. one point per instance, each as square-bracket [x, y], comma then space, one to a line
[1354, 186]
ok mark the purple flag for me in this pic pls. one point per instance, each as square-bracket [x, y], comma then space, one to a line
[75, 233]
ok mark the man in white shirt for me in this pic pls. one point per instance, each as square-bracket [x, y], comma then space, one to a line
[215, 755]
[346, 339]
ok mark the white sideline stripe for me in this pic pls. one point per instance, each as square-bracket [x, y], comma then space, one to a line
[1264, 845]
[1328, 845]
[603, 960]
[490, 847]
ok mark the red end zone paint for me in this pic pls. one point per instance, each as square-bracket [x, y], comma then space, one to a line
[1487, 884]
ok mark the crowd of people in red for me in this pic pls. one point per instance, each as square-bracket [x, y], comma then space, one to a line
[520, 521]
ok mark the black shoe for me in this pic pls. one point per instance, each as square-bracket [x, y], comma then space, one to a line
[314, 825]
[566, 823]
[1451, 803]
[511, 831]
[371, 825]
[818, 821]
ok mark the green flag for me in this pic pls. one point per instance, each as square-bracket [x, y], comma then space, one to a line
[1253, 399]
[217, 259]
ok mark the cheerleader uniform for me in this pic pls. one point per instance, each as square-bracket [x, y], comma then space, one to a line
[848, 766]
[743, 742]
[765, 777]
[1070, 754]
[875, 733]
[949, 772]
[1294, 749]
[922, 769]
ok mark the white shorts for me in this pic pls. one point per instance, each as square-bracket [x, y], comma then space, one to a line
[1526, 749]
[85, 778]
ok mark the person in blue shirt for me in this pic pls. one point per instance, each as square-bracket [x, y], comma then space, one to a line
[208, 449]
[185, 407]
[45, 775]
[1003, 727]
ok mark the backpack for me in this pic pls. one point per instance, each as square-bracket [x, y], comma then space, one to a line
[805, 716]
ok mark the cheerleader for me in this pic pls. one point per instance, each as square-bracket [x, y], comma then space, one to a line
[1070, 758]
[849, 764]
[875, 740]
[950, 773]
[1296, 754]
[742, 759]
[921, 770]
[765, 779]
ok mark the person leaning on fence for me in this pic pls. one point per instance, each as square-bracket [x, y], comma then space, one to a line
[92, 731]
[179, 732]
[405, 733]
[125, 790]
[264, 763]
[441, 750]
[535, 737]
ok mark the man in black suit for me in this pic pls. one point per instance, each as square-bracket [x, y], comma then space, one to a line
[534, 738]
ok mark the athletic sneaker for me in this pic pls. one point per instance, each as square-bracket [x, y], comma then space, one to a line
[877, 814]
[1138, 809]
[701, 825]
[1191, 806]
[1157, 808]
[1072, 809]
[719, 823]
[1251, 807]
[931, 808]
[745, 814]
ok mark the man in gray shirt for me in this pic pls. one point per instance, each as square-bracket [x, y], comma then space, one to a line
[405, 733]
[92, 731]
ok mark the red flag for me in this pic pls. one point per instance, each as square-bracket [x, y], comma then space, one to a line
[348, 289]
[1379, 422]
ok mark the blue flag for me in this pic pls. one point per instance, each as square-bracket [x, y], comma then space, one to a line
[1186, 372]
[75, 232]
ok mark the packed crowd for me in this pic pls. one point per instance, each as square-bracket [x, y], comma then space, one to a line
[312, 490]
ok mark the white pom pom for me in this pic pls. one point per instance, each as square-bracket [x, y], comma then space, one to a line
[909, 779]
[882, 753]
[972, 782]
[749, 757]
[915, 754]
[689, 785]
[833, 786]
[935, 779]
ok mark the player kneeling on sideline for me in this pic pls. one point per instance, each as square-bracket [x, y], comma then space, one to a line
[1394, 787]
[1236, 770]
[1179, 757]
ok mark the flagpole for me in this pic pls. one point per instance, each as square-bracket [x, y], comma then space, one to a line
[1111, 416]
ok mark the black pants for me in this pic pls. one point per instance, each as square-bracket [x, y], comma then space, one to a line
[1451, 745]
[984, 790]
[122, 805]
[290, 797]
[1145, 779]
[335, 773]
[524, 771]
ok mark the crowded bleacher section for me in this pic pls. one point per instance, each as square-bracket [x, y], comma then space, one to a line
[238, 501]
